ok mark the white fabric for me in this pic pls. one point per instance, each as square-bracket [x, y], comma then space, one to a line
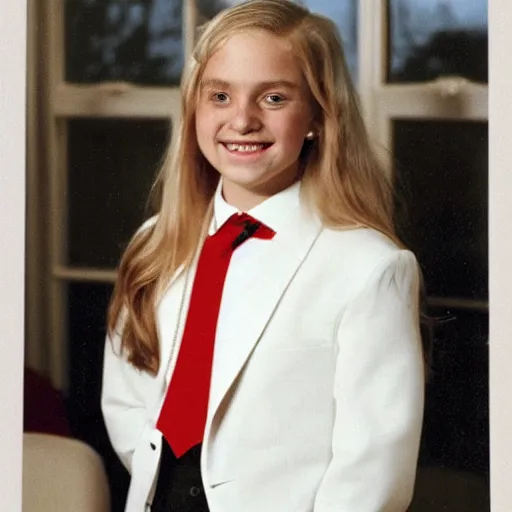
[317, 385]
[62, 475]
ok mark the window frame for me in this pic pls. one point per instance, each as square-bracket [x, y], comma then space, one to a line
[381, 103]
[445, 99]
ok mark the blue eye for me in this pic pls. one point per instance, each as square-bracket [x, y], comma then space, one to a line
[274, 99]
[220, 97]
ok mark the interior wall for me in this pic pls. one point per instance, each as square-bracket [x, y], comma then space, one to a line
[12, 221]
[500, 250]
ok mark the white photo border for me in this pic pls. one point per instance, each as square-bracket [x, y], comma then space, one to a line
[12, 234]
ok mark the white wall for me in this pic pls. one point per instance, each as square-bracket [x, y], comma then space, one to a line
[12, 194]
[500, 240]
[12, 211]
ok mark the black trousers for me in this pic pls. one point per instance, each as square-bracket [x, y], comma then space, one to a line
[179, 487]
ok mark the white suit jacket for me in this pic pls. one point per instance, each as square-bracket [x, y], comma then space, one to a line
[316, 397]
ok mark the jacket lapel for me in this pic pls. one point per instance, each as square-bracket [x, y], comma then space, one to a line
[263, 286]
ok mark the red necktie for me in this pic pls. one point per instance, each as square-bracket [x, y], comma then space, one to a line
[183, 415]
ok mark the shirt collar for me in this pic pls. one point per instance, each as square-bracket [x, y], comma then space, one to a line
[274, 212]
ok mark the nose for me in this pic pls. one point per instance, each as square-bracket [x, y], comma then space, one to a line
[246, 118]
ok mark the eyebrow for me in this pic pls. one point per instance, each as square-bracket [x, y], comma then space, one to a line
[222, 84]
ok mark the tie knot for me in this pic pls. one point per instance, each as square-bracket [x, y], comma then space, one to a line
[249, 227]
[240, 227]
[240, 219]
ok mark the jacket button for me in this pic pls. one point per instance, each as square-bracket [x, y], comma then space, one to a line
[153, 446]
[194, 491]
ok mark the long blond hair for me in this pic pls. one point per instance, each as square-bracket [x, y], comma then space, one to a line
[342, 177]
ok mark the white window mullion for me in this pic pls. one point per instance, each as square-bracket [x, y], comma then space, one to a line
[434, 100]
[86, 274]
[459, 303]
[34, 353]
[116, 99]
[371, 56]
[190, 21]
[428, 102]
[55, 139]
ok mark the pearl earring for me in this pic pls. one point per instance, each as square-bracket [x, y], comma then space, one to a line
[310, 135]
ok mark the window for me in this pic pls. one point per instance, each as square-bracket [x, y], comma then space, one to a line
[111, 100]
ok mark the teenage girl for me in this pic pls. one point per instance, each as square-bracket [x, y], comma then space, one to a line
[263, 352]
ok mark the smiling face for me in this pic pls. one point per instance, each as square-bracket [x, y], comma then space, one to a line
[252, 116]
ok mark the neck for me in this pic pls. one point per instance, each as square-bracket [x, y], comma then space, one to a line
[241, 199]
[244, 199]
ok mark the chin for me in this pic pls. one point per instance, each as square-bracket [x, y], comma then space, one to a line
[243, 176]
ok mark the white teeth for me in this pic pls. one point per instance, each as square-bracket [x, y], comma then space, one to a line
[244, 148]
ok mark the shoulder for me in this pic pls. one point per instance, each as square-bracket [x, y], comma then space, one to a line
[365, 247]
[363, 255]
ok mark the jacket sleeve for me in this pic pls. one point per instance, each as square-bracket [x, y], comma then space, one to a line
[123, 407]
[379, 393]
